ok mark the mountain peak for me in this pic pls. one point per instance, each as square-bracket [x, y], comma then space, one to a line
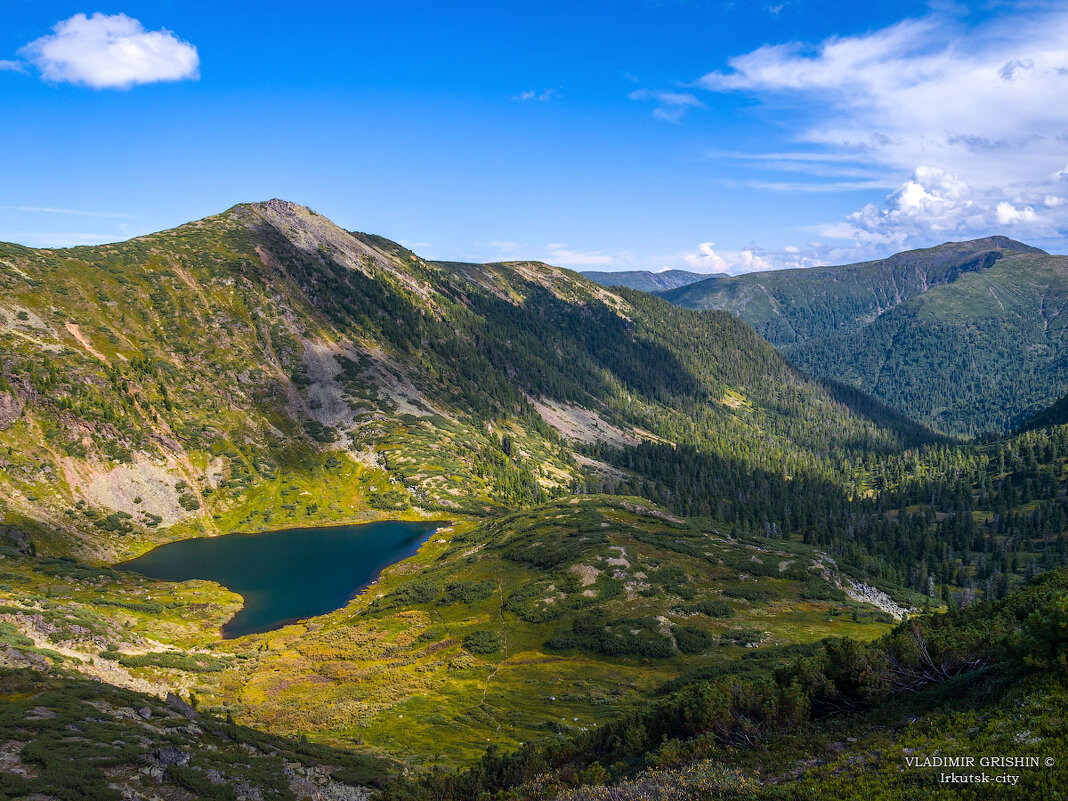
[312, 233]
[286, 212]
[281, 206]
[995, 242]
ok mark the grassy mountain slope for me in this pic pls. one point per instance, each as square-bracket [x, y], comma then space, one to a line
[645, 280]
[263, 368]
[491, 634]
[839, 721]
[964, 337]
[535, 625]
[71, 739]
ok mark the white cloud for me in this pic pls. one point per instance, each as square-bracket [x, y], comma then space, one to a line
[1008, 214]
[670, 106]
[48, 239]
[110, 52]
[706, 259]
[984, 107]
[530, 94]
[934, 203]
[560, 253]
[10, 66]
[982, 103]
[71, 212]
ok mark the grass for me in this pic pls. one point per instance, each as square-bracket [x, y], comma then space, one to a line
[77, 740]
[396, 670]
[865, 755]
[449, 650]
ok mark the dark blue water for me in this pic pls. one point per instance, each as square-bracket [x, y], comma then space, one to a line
[287, 575]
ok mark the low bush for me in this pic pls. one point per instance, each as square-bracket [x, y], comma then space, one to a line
[482, 642]
[715, 608]
[466, 592]
[691, 640]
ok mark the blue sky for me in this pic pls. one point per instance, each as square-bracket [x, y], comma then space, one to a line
[710, 136]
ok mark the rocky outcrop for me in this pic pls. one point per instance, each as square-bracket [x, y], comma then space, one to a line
[865, 593]
[10, 409]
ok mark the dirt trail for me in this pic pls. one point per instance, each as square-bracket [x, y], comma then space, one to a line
[504, 658]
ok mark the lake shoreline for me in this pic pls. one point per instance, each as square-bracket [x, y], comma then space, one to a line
[285, 576]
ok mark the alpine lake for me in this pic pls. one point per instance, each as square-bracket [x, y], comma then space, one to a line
[287, 575]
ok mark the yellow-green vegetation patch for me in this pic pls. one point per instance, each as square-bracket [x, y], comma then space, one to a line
[535, 624]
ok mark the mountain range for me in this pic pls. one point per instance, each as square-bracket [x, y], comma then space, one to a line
[965, 337]
[651, 517]
[192, 368]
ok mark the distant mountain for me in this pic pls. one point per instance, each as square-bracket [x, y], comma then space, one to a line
[790, 307]
[964, 337]
[645, 280]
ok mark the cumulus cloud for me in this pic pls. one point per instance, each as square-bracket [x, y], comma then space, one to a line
[670, 106]
[1008, 214]
[934, 202]
[984, 107]
[980, 103]
[110, 52]
[706, 259]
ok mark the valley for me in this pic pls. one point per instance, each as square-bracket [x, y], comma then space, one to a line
[575, 502]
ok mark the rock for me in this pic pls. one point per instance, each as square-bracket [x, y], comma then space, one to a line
[17, 537]
[40, 713]
[169, 755]
[180, 706]
[335, 791]
[10, 409]
[865, 593]
[153, 771]
[246, 792]
[145, 713]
